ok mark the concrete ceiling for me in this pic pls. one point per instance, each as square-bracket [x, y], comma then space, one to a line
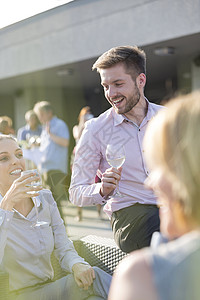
[159, 69]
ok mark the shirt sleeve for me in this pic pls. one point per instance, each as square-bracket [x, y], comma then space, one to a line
[63, 247]
[83, 191]
[60, 129]
[5, 220]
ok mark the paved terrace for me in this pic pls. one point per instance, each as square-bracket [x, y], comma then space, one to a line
[90, 224]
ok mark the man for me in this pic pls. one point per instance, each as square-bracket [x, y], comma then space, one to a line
[54, 152]
[32, 127]
[134, 217]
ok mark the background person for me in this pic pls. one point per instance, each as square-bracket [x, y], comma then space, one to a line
[53, 162]
[28, 136]
[84, 115]
[26, 251]
[6, 125]
[170, 271]
[32, 127]
[135, 216]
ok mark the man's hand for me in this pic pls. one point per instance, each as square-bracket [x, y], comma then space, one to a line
[109, 180]
[57, 139]
[83, 275]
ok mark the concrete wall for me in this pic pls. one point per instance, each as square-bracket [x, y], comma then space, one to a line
[86, 28]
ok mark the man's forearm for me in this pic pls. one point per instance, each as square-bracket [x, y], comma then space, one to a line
[59, 140]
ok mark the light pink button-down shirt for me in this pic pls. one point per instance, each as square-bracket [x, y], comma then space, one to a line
[111, 127]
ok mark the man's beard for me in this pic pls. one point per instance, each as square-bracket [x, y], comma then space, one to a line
[132, 102]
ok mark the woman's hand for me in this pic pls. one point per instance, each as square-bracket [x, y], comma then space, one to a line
[83, 275]
[18, 191]
[109, 180]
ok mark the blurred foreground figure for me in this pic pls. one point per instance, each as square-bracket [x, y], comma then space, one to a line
[170, 271]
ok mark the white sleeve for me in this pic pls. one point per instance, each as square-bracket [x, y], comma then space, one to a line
[5, 220]
[63, 246]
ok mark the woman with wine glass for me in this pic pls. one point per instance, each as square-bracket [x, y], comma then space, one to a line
[25, 252]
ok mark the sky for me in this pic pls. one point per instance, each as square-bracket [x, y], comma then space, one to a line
[12, 11]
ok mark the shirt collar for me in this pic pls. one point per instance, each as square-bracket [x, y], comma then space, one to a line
[150, 111]
[118, 119]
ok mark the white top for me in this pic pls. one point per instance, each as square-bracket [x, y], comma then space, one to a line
[25, 251]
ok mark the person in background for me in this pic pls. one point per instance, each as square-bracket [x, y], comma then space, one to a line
[171, 270]
[53, 162]
[6, 125]
[26, 251]
[84, 115]
[134, 217]
[32, 127]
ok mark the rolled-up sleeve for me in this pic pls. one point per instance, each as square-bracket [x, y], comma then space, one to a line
[83, 191]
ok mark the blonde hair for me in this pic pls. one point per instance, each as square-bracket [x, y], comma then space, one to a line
[172, 142]
[5, 124]
[42, 106]
[29, 114]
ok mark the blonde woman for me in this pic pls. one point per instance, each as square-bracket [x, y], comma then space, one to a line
[172, 150]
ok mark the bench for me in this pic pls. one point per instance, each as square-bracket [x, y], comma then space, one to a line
[97, 251]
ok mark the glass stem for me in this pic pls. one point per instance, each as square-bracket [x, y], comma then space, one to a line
[36, 209]
[117, 192]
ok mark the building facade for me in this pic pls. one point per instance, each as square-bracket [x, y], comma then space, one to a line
[49, 56]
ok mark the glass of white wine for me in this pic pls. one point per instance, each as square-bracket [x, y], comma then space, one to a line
[115, 156]
[35, 184]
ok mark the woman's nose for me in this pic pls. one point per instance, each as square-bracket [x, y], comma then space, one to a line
[14, 159]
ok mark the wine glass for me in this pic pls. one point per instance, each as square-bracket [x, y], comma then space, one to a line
[115, 156]
[35, 184]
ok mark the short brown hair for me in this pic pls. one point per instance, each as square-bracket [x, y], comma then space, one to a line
[133, 58]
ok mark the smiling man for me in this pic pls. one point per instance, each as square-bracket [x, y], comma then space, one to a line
[134, 216]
